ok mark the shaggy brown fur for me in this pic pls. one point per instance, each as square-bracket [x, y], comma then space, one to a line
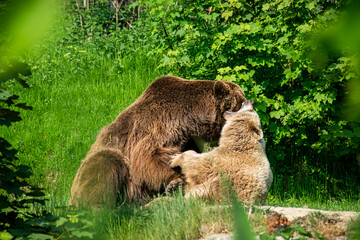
[240, 156]
[133, 152]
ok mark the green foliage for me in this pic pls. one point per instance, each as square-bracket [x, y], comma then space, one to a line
[290, 231]
[16, 195]
[354, 229]
[242, 226]
[275, 51]
[97, 29]
[76, 225]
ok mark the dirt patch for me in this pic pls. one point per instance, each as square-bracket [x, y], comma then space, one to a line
[329, 227]
[274, 222]
[325, 224]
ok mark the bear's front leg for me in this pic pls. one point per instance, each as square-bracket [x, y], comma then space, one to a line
[206, 190]
[150, 170]
[179, 159]
[174, 185]
[176, 160]
[203, 191]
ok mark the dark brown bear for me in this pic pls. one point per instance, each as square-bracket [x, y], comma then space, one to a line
[131, 154]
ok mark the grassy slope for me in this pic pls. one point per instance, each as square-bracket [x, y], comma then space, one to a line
[73, 95]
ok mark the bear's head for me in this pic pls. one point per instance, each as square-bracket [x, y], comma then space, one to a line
[243, 126]
[228, 97]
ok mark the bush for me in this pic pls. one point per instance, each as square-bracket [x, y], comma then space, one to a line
[275, 51]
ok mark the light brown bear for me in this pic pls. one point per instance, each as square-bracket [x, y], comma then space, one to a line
[131, 155]
[240, 156]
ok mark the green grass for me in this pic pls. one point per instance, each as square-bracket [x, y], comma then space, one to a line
[177, 219]
[173, 218]
[345, 204]
[74, 94]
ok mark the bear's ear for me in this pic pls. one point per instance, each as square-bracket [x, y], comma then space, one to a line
[256, 131]
[221, 88]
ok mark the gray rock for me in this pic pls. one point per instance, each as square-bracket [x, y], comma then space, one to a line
[219, 237]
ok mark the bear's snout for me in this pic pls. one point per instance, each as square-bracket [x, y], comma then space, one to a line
[248, 102]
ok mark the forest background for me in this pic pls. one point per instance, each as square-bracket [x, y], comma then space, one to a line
[299, 61]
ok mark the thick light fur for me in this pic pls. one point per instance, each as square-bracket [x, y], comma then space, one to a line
[131, 155]
[240, 156]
